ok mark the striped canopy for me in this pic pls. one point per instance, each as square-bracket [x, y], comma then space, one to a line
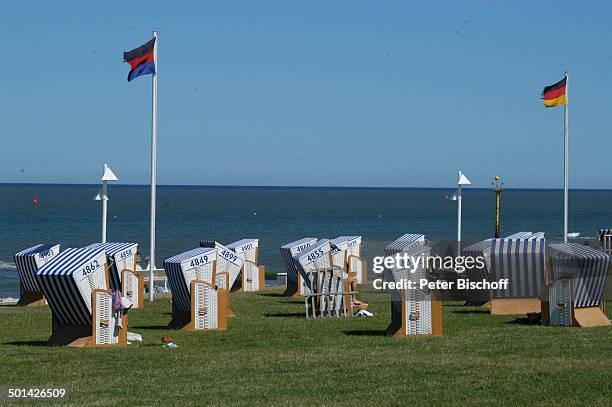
[243, 245]
[28, 261]
[121, 256]
[404, 243]
[228, 261]
[246, 247]
[521, 261]
[68, 280]
[586, 266]
[183, 268]
[603, 232]
[208, 243]
[289, 250]
[485, 245]
[346, 242]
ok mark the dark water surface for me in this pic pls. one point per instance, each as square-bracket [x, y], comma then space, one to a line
[67, 214]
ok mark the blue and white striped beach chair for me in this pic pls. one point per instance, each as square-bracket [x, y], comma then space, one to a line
[522, 262]
[253, 275]
[413, 311]
[576, 285]
[288, 252]
[76, 285]
[28, 261]
[475, 273]
[198, 303]
[121, 259]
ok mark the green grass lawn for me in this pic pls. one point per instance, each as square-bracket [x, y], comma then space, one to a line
[271, 354]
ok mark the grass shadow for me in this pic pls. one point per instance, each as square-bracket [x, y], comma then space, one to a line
[27, 343]
[525, 321]
[472, 311]
[271, 295]
[366, 332]
[153, 327]
[286, 315]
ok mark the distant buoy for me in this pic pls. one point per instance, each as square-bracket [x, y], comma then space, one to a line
[35, 201]
[254, 213]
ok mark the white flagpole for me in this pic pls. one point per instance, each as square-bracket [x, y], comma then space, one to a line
[566, 158]
[153, 168]
[104, 207]
[459, 218]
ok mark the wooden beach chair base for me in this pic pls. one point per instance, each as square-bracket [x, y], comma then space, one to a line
[515, 306]
[581, 317]
[589, 317]
[83, 336]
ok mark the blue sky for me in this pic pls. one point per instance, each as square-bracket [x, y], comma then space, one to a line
[343, 93]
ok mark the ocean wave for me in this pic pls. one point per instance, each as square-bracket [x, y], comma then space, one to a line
[7, 265]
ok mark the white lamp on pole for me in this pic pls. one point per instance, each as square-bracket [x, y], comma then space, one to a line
[461, 180]
[108, 175]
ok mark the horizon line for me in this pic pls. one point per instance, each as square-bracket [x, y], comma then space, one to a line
[288, 186]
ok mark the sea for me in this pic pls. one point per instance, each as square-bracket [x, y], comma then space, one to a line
[68, 214]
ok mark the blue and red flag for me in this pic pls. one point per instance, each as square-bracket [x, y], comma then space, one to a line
[141, 59]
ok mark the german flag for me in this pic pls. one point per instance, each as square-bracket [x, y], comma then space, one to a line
[141, 60]
[554, 95]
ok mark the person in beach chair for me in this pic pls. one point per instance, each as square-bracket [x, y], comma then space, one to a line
[413, 311]
[85, 311]
[198, 302]
[28, 262]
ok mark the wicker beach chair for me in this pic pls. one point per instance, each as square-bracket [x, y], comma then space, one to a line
[121, 259]
[327, 288]
[413, 311]
[295, 287]
[253, 275]
[228, 261]
[522, 262]
[198, 303]
[77, 286]
[28, 261]
[228, 269]
[576, 279]
[347, 254]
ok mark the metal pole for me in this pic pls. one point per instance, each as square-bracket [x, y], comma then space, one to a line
[566, 159]
[153, 168]
[459, 216]
[104, 208]
[497, 210]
